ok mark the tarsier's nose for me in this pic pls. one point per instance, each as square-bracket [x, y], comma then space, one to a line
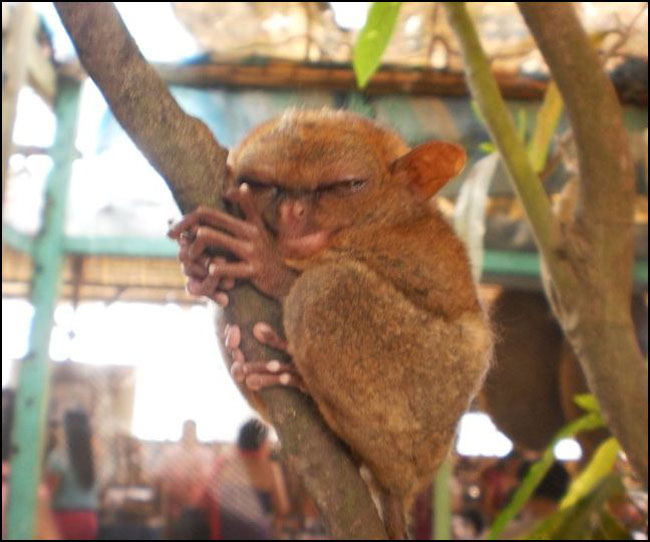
[293, 215]
[293, 209]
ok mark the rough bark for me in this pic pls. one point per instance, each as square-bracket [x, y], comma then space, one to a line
[589, 259]
[185, 153]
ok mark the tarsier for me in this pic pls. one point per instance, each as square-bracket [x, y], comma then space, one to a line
[381, 316]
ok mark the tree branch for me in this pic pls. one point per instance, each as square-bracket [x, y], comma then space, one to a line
[502, 129]
[601, 242]
[606, 191]
[589, 262]
[183, 150]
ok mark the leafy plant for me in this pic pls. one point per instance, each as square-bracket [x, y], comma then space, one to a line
[586, 519]
[600, 465]
[588, 422]
[373, 39]
[582, 513]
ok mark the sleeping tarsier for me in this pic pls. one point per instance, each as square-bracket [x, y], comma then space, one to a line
[381, 317]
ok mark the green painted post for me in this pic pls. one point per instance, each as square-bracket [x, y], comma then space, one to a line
[32, 392]
[442, 502]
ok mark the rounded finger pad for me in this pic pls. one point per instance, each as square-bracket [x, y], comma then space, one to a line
[233, 337]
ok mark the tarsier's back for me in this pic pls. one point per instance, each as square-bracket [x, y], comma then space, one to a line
[384, 323]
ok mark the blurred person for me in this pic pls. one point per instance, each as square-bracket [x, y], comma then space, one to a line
[70, 475]
[497, 482]
[468, 524]
[180, 478]
[45, 524]
[246, 498]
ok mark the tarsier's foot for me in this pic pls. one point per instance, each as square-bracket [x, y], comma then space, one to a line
[257, 375]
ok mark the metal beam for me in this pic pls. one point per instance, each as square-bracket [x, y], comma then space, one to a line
[496, 262]
[32, 392]
[144, 247]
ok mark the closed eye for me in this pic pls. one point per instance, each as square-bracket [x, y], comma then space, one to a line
[258, 186]
[343, 188]
[252, 183]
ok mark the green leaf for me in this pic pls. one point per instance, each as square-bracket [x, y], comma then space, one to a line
[587, 401]
[487, 147]
[585, 520]
[548, 117]
[537, 472]
[373, 39]
[600, 466]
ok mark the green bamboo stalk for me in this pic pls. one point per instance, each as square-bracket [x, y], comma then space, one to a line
[442, 502]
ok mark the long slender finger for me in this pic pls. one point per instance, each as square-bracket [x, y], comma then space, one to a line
[206, 216]
[194, 270]
[237, 371]
[238, 356]
[198, 267]
[210, 287]
[233, 337]
[265, 334]
[270, 367]
[231, 269]
[184, 255]
[257, 382]
[183, 251]
[262, 374]
[206, 237]
[245, 200]
[200, 282]
[194, 287]
[237, 367]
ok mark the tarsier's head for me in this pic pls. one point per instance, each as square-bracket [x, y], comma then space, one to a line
[315, 174]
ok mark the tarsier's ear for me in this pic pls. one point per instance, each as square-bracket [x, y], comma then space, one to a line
[428, 167]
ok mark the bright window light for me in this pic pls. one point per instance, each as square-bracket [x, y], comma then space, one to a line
[478, 436]
[179, 373]
[567, 449]
[15, 333]
[165, 41]
[35, 122]
[350, 15]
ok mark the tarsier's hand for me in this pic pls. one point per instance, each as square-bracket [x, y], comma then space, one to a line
[256, 375]
[204, 230]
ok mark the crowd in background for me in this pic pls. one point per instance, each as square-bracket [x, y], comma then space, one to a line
[196, 491]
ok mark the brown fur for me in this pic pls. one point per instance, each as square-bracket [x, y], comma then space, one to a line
[383, 323]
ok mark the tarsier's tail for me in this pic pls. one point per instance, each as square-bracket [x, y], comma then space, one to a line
[394, 513]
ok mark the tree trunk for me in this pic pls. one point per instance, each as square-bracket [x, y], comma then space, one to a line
[599, 245]
[193, 164]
